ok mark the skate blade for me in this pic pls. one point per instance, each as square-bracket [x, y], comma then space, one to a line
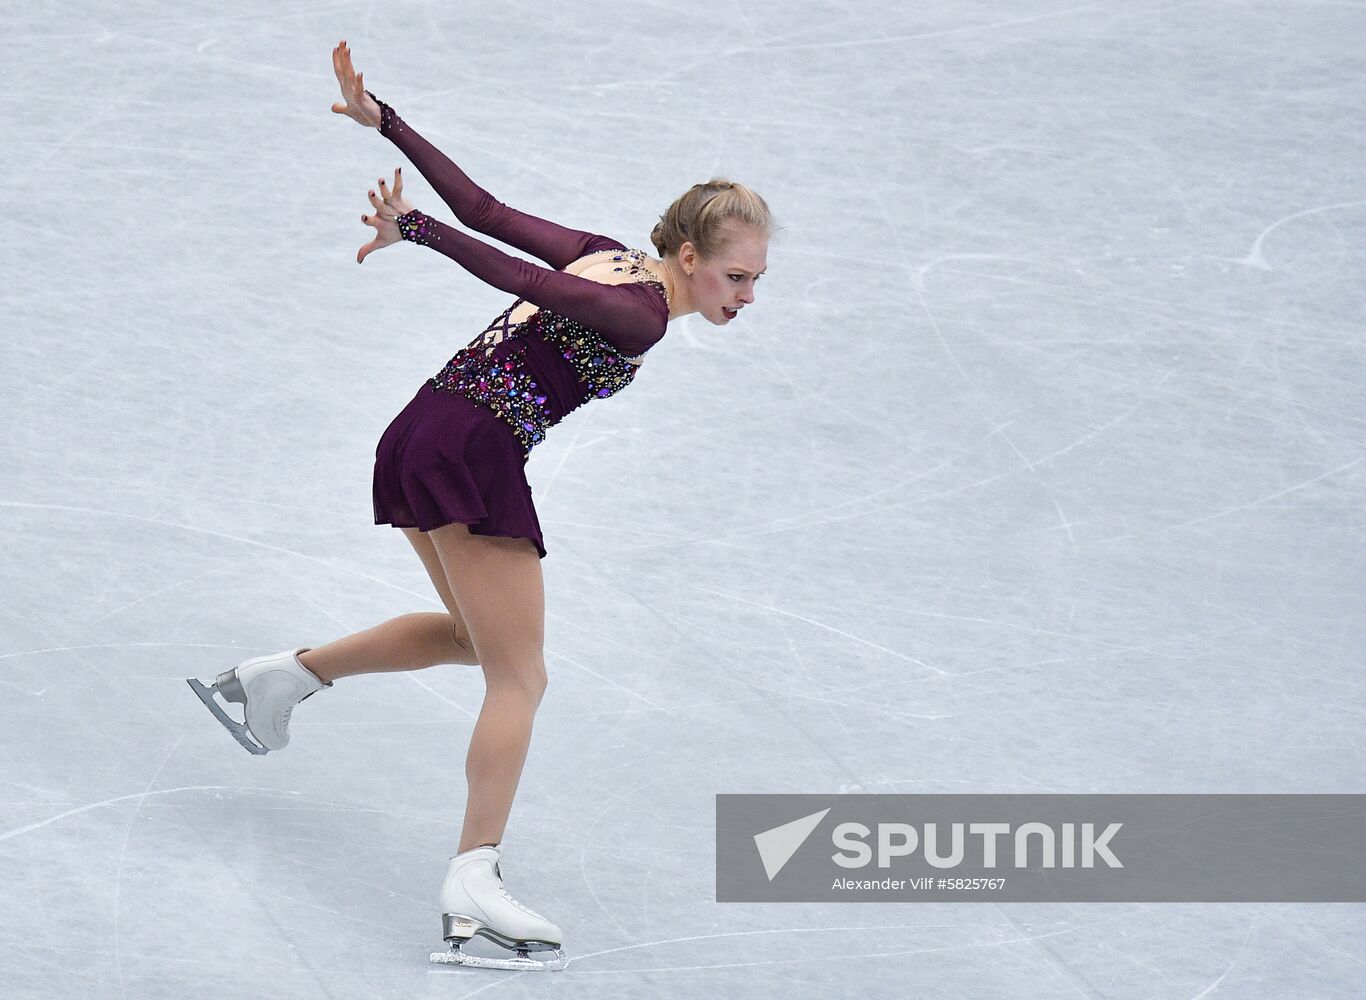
[238, 730]
[522, 963]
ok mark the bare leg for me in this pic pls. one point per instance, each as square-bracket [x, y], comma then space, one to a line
[408, 642]
[498, 585]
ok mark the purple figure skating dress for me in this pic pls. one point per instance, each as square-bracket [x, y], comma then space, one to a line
[458, 450]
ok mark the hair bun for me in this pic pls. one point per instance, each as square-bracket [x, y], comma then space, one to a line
[699, 217]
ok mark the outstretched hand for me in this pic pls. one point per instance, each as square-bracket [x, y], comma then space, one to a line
[356, 104]
[389, 205]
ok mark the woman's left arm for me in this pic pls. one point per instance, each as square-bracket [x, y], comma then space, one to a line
[631, 316]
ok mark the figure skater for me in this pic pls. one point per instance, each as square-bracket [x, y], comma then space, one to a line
[449, 473]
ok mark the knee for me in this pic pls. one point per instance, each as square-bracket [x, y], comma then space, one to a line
[525, 680]
[532, 681]
[462, 643]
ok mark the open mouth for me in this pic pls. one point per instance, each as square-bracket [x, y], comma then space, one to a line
[730, 313]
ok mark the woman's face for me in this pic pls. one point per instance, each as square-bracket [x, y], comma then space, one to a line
[726, 281]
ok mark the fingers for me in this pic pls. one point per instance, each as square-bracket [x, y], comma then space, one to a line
[341, 65]
[398, 182]
[346, 73]
[379, 241]
[373, 245]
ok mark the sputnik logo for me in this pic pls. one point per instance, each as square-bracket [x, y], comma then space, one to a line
[776, 846]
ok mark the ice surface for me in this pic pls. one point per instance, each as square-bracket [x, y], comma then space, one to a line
[1036, 466]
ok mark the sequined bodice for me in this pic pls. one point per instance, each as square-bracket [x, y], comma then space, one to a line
[506, 367]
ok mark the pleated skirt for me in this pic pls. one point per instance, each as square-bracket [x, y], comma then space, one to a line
[445, 459]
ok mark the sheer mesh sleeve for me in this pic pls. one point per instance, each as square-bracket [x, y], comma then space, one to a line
[555, 244]
[633, 316]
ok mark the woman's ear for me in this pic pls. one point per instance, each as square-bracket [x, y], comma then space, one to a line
[687, 256]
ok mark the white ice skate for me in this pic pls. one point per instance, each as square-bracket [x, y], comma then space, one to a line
[473, 901]
[268, 688]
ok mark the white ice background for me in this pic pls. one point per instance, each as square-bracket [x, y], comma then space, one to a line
[1037, 466]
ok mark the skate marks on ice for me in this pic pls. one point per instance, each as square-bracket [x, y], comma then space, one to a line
[952, 933]
[139, 796]
[827, 44]
[1254, 256]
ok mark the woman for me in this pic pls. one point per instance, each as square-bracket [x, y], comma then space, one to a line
[449, 472]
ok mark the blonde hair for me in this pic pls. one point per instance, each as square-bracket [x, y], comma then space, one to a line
[697, 217]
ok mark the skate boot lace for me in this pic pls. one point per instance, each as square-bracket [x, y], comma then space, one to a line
[284, 721]
[527, 910]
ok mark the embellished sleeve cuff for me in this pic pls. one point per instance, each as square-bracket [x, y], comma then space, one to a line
[416, 227]
[387, 116]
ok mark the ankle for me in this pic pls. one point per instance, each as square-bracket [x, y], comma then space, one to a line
[303, 662]
[475, 847]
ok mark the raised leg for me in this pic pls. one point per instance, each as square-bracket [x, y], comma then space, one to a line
[409, 642]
